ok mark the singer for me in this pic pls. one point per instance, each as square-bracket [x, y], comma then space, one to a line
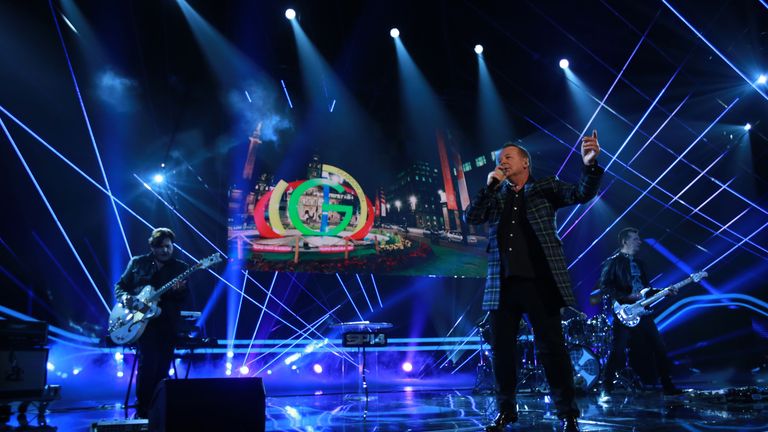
[527, 272]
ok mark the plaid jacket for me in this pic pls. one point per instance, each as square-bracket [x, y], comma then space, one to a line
[543, 198]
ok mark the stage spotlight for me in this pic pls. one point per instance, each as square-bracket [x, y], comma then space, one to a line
[564, 63]
[478, 49]
[290, 14]
[762, 79]
[119, 356]
[244, 370]
[395, 33]
[76, 370]
[317, 368]
[51, 366]
[171, 371]
[269, 371]
[407, 367]
[230, 354]
[227, 372]
[747, 126]
[120, 374]
[158, 178]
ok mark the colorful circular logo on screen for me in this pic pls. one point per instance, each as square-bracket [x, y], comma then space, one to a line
[330, 215]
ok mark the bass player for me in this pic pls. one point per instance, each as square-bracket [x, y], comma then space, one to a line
[623, 277]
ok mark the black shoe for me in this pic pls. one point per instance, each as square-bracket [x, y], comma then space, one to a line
[502, 419]
[570, 424]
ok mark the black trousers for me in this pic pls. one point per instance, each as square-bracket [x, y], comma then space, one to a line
[539, 300]
[649, 337]
[155, 351]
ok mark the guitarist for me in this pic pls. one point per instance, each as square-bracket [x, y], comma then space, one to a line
[622, 278]
[155, 346]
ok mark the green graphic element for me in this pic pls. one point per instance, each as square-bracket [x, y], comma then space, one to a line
[293, 208]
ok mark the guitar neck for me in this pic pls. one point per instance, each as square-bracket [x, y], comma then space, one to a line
[654, 298]
[163, 289]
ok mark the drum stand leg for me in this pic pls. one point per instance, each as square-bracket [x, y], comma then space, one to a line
[484, 379]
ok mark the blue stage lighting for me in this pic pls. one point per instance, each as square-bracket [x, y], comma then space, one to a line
[407, 367]
[564, 63]
[317, 368]
[290, 14]
[244, 370]
[158, 178]
[395, 33]
[120, 374]
[747, 126]
[51, 366]
[478, 49]
[762, 79]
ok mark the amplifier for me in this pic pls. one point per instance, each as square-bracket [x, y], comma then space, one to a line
[23, 372]
[137, 425]
[23, 334]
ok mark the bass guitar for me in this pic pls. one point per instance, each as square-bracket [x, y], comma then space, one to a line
[127, 324]
[629, 314]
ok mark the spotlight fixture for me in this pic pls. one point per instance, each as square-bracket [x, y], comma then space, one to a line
[747, 126]
[407, 367]
[317, 368]
[244, 370]
[290, 14]
[564, 63]
[762, 79]
[478, 49]
[158, 178]
[395, 33]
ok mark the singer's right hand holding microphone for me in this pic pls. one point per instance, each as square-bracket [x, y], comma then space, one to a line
[495, 177]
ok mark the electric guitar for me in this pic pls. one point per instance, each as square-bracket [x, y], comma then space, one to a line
[127, 324]
[630, 314]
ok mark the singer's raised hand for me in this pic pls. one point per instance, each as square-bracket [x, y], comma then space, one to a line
[590, 148]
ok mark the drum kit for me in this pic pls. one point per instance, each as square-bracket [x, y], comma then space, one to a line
[588, 343]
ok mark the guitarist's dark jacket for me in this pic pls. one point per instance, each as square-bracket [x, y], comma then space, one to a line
[142, 271]
[616, 278]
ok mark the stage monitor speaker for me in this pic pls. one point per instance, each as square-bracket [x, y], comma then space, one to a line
[208, 404]
[128, 425]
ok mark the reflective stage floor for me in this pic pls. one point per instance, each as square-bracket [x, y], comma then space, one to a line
[457, 410]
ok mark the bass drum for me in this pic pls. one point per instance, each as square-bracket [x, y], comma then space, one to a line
[586, 367]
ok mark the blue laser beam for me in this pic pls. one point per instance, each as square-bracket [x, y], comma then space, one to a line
[88, 125]
[53, 213]
[709, 44]
[349, 297]
[610, 89]
[728, 108]
[362, 288]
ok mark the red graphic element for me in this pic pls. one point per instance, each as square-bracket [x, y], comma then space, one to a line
[450, 194]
